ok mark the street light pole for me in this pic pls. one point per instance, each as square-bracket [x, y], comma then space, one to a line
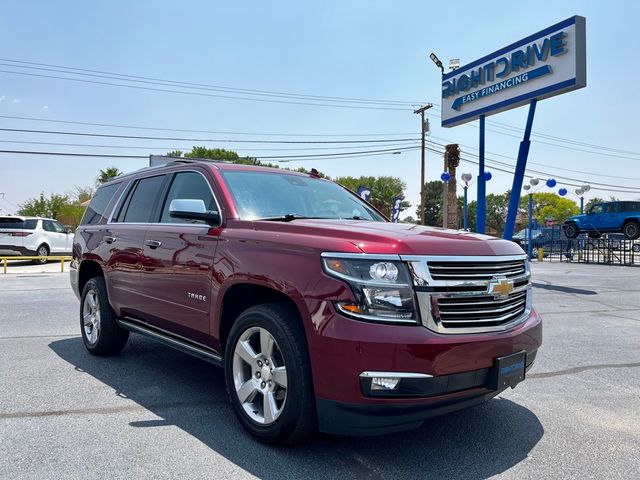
[424, 130]
[466, 178]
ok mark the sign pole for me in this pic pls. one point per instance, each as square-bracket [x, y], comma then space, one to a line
[518, 177]
[481, 213]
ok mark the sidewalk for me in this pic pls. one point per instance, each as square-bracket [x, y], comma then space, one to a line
[25, 266]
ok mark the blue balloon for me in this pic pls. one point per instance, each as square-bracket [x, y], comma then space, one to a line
[445, 177]
[487, 176]
[562, 192]
[551, 183]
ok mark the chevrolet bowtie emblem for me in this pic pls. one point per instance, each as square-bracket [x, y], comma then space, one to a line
[500, 287]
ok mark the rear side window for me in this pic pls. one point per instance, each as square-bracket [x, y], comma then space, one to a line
[95, 212]
[192, 186]
[16, 223]
[631, 207]
[142, 200]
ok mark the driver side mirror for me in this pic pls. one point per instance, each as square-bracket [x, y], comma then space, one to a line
[193, 209]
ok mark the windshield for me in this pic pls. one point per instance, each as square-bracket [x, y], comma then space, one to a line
[260, 195]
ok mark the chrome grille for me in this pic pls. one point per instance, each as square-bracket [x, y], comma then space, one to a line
[475, 270]
[459, 294]
[480, 310]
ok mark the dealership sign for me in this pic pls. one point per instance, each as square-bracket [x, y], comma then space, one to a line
[542, 65]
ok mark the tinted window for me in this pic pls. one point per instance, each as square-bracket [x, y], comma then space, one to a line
[95, 212]
[143, 200]
[17, 223]
[191, 186]
[266, 194]
[610, 208]
[631, 207]
[47, 225]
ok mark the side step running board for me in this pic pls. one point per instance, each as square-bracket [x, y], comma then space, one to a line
[172, 341]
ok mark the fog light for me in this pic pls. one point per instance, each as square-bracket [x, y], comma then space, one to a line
[384, 383]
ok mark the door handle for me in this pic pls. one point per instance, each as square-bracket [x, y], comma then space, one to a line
[152, 243]
[109, 239]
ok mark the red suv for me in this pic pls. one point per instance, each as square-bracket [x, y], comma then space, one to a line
[322, 313]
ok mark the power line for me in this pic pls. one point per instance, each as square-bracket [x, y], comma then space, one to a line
[205, 86]
[500, 166]
[172, 148]
[544, 164]
[138, 127]
[271, 157]
[201, 94]
[379, 104]
[178, 139]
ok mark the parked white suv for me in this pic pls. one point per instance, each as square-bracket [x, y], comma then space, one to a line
[25, 236]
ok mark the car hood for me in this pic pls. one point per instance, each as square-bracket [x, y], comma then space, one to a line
[575, 218]
[388, 238]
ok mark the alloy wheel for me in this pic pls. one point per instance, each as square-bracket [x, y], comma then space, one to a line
[259, 375]
[91, 316]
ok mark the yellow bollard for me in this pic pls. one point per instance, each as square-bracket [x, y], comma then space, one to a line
[4, 261]
[61, 264]
[540, 254]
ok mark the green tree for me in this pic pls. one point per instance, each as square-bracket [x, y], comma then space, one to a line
[383, 189]
[433, 203]
[50, 207]
[547, 205]
[107, 174]
[175, 153]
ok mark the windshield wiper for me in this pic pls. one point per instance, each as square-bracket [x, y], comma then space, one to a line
[288, 217]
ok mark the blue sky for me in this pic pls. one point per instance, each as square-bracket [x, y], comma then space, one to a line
[363, 49]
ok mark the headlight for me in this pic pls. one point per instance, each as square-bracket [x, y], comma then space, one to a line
[383, 289]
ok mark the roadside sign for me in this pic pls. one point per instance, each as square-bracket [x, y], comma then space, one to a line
[547, 63]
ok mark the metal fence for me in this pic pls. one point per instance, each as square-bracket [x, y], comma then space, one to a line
[609, 249]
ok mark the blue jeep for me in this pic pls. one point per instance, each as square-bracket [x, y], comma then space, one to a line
[618, 217]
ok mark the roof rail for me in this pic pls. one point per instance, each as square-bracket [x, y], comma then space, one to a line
[158, 160]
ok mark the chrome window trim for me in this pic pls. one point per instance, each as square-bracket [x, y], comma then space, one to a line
[117, 204]
[126, 189]
[395, 375]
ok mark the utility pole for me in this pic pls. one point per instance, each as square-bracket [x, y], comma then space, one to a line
[424, 128]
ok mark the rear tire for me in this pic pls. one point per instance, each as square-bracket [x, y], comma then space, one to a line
[631, 230]
[268, 374]
[100, 332]
[41, 251]
[571, 230]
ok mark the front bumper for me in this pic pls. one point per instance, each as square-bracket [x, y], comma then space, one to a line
[443, 394]
[341, 349]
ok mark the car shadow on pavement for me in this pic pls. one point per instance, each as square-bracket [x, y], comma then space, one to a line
[186, 392]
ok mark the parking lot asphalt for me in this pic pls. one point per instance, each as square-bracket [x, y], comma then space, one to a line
[152, 412]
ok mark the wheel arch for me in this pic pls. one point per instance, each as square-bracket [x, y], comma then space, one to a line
[88, 269]
[243, 295]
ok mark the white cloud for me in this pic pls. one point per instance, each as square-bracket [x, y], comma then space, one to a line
[2, 97]
[45, 107]
[16, 100]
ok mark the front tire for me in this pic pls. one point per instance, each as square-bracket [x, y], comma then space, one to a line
[571, 230]
[631, 230]
[100, 332]
[268, 374]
